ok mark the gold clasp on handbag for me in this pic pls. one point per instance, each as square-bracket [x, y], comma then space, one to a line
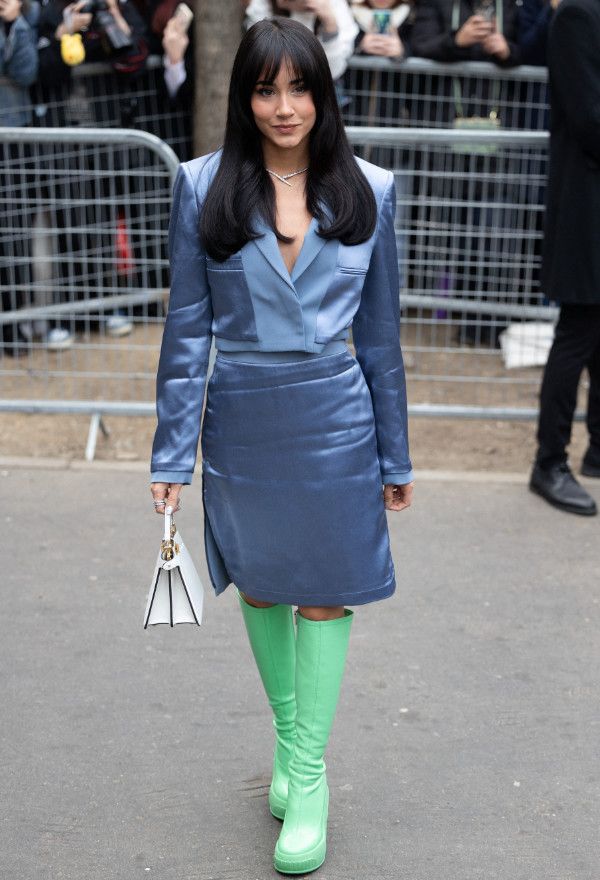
[169, 549]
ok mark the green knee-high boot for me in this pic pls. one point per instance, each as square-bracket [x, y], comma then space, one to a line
[321, 649]
[273, 642]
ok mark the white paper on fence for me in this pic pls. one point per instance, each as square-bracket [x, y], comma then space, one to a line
[187, 591]
[527, 344]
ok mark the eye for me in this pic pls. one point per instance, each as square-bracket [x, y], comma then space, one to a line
[300, 89]
[264, 91]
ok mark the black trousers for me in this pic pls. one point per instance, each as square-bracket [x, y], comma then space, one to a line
[576, 346]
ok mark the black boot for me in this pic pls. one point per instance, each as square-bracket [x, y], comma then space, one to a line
[557, 485]
[590, 466]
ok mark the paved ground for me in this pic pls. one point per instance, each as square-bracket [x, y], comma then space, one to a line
[466, 742]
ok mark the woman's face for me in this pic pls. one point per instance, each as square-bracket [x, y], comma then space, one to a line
[283, 110]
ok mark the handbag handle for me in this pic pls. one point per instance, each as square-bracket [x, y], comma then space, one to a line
[168, 522]
[168, 548]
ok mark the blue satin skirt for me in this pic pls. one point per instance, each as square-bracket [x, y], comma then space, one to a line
[292, 492]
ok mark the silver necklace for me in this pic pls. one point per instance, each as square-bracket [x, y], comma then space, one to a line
[284, 177]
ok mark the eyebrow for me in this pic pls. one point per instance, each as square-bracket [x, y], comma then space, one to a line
[269, 82]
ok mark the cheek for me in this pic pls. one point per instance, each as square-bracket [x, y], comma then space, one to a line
[308, 110]
[260, 111]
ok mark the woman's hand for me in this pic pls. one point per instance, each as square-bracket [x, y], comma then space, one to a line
[387, 45]
[115, 10]
[167, 492]
[397, 497]
[73, 20]
[175, 40]
[474, 30]
[496, 45]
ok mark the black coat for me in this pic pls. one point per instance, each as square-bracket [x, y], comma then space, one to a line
[432, 35]
[571, 263]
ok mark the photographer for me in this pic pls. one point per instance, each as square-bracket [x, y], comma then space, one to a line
[109, 30]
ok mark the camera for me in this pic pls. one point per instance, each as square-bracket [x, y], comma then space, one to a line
[115, 39]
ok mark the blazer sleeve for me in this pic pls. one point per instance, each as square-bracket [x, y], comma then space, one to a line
[183, 362]
[376, 335]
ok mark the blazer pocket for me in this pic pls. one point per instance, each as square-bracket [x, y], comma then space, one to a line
[230, 264]
[233, 312]
[352, 270]
[340, 302]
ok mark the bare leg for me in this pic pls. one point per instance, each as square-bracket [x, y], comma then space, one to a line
[315, 612]
[311, 612]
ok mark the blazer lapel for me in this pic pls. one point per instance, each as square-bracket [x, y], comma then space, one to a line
[309, 251]
[311, 247]
[267, 245]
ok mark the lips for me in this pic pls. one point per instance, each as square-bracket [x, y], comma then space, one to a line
[285, 129]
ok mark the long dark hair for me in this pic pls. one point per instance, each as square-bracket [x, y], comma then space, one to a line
[241, 186]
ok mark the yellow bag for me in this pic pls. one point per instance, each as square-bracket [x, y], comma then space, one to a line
[72, 50]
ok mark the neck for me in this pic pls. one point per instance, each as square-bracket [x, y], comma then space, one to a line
[285, 161]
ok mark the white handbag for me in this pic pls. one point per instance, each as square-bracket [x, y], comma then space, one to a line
[176, 592]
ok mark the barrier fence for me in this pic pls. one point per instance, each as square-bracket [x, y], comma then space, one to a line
[84, 217]
[87, 217]
[469, 232]
[375, 92]
[98, 97]
[426, 94]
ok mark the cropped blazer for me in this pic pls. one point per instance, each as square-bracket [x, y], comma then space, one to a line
[251, 302]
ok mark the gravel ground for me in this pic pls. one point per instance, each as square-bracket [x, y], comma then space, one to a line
[436, 444]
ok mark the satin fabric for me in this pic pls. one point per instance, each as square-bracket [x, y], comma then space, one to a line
[292, 488]
[251, 302]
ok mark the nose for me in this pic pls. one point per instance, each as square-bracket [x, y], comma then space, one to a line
[283, 107]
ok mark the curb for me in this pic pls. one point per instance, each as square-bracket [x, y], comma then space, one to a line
[75, 464]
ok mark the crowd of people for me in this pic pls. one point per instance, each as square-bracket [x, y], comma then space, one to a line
[41, 43]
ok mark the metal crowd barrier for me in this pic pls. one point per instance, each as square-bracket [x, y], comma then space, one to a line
[375, 92]
[86, 213]
[97, 97]
[422, 93]
[469, 233]
[84, 226]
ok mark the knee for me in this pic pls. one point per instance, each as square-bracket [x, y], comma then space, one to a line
[312, 612]
[256, 602]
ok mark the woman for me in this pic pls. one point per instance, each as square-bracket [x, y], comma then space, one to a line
[330, 20]
[278, 242]
[383, 27]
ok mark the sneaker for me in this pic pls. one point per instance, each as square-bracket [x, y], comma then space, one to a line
[119, 325]
[59, 338]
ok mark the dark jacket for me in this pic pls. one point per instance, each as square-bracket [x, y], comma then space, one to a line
[18, 66]
[534, 21]
[571, 262]
[433, 36]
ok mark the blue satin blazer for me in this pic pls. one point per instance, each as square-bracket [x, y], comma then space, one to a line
[251, 302]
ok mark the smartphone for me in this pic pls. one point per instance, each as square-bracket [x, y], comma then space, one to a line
[381, 21]
[486, 10]
[185, 15]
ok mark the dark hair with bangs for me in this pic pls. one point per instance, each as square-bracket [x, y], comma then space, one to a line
[242, 187]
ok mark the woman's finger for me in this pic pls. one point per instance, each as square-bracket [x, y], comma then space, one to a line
[159, 496]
